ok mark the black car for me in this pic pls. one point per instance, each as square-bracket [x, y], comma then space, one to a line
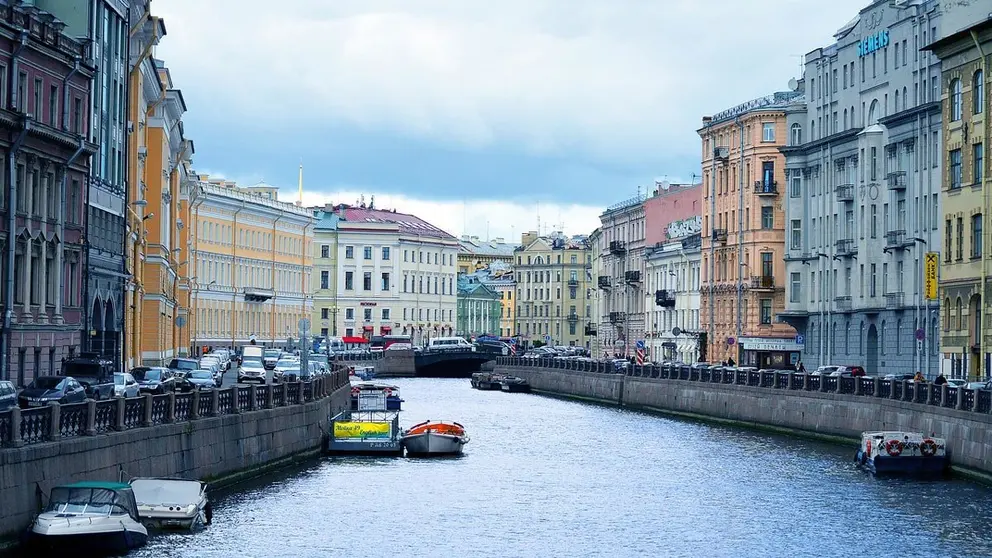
[46, 389]
[95, 373]
[154, 379]
[184, 365]
[8, 395]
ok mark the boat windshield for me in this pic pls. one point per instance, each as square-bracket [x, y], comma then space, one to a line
[150, 492]
[89, 500]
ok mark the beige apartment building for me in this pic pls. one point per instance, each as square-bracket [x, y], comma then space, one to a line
[743, 235]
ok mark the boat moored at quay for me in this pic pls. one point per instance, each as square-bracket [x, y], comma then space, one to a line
[487, 380]
[366, 396]
[514, 384]
[903, 453]
[434, 438]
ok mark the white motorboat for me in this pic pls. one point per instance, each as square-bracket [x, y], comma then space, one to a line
[434, 438]
[903, 453]
[88, 517]
[166, 503]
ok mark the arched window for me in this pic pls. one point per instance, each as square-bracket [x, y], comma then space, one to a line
[960, 323]
[978, 92]
[947, 314]
[845, 119]
[861, 339]
[896, 108]
[881, 338]
[954, 92]
[847, 337]
[812, 130]
[871, 111]
[905, 98]
[898, 335]
[797, 134]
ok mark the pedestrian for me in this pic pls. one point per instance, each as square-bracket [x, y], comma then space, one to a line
[730, 362]
[941, 380]
[918, 378]
[800, 367]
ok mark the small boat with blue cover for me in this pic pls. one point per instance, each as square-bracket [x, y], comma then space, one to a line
[903, 453]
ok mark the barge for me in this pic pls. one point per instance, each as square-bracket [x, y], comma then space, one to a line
[514, 384]
[365, 433]
[487, 381]
[369, 396]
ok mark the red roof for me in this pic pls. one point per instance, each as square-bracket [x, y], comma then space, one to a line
[408, 224]
[354, 340]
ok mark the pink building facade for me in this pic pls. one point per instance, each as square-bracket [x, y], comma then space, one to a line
[672, 213]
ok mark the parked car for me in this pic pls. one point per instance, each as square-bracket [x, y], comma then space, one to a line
[848, 372]
[155, 379]
[202, 379]
[45, 389]
[251, 370]
[282, 365]
[271, 358]
[95, 373]
[183, 364]
[125, 385]
[956, 382]
[8, 395]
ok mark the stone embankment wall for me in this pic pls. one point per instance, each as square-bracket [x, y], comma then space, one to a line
[220, 437]
[789, 403]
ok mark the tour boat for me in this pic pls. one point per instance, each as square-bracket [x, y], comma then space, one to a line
[487, 380]
[906, 453]
[88, 517]
[514, 384]
[392, 396]
[434, 438]
[166, 503]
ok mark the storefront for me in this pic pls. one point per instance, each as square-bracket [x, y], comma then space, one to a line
[769, 352]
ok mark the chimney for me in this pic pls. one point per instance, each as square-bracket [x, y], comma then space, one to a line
[528, 237]
[499, 240]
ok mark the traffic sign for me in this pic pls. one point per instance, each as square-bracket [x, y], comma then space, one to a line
[304, 324]
[547, 338]
[180, 321]
[930, 276]
[731, 340]
[800, 339]
[639, 344]
[676, 331]
[921, 334]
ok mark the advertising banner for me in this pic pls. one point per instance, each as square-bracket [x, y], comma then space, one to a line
[361, 430]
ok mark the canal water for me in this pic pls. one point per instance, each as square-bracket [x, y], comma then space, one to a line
[550, 477]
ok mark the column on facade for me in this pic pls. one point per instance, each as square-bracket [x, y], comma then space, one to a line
[26, 284]
[43, 283]
[60, 171]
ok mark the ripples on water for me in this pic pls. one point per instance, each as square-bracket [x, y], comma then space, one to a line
[549, 477]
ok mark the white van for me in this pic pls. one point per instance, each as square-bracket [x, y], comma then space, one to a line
[450, 344]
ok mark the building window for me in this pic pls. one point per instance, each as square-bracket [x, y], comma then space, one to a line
[976, 236]
[367, 314]
[367, 253]
[797, 187]
[948, 240]
[873, 281]
[960, 247]
[874, 221]
[767, 218]
[349, 313]
[325, 251]
[954, 92]
[324, 313]
[795, 287]
[978, 158]
[367, 281]
[955, 169]
[874, 163]
[796, 242]
[385, 281]
[349, 280]
[385, 253]
[768, 132]
[797, 134]
[349, 252]
[978, 92]
[53, 105]
[349, 332]
[324, 279]
[766, 311]
[39, 113]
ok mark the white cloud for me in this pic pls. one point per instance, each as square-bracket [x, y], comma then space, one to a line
[618, 81]
[483, 218]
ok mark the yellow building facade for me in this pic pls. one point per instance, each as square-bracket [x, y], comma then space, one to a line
[253, 258]
[553, 289]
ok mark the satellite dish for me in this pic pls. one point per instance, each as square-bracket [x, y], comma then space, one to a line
[793, 84]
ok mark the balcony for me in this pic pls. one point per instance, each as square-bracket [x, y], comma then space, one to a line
[721, 153]
[845, 248]
[896, 180]
[895, 239]
[843, 303]
[894, 300]
[617, 317]
[631, 277]
[573, 282]
[573, 317]
[590, 331]
[766, 188]
[845, 192]
[664, 298]
[618, 247]
[254, 294]
[719, 235]
[763, 283]
[604, 282]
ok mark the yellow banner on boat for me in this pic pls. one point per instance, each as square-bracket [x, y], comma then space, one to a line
[361, 430]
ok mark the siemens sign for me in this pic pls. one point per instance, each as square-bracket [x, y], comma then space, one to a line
[874, 42]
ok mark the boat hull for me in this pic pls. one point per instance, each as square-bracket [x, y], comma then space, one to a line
[108, 542]
[487, 385]
[514, 387]
[432, 443]
[909, 465]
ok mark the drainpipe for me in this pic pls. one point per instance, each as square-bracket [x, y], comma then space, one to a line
[985, 207]
[740, 246]
[275, 295]
[65, 96]
[712, 336]
[11, 242]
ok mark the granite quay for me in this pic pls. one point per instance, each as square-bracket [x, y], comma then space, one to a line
[805, 404]
[221, 435]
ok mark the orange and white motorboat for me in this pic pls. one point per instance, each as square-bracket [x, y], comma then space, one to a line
[434, 438]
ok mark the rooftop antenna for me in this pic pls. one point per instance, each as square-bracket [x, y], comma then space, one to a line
[372, 202]
[299, 202]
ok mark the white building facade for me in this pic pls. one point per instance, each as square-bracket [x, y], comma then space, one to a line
[396, 275]
[619, 277]
[672, 300]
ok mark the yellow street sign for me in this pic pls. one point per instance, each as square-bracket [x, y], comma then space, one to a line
[930, 276]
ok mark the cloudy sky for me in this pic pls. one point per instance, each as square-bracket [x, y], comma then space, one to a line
[480, 116]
